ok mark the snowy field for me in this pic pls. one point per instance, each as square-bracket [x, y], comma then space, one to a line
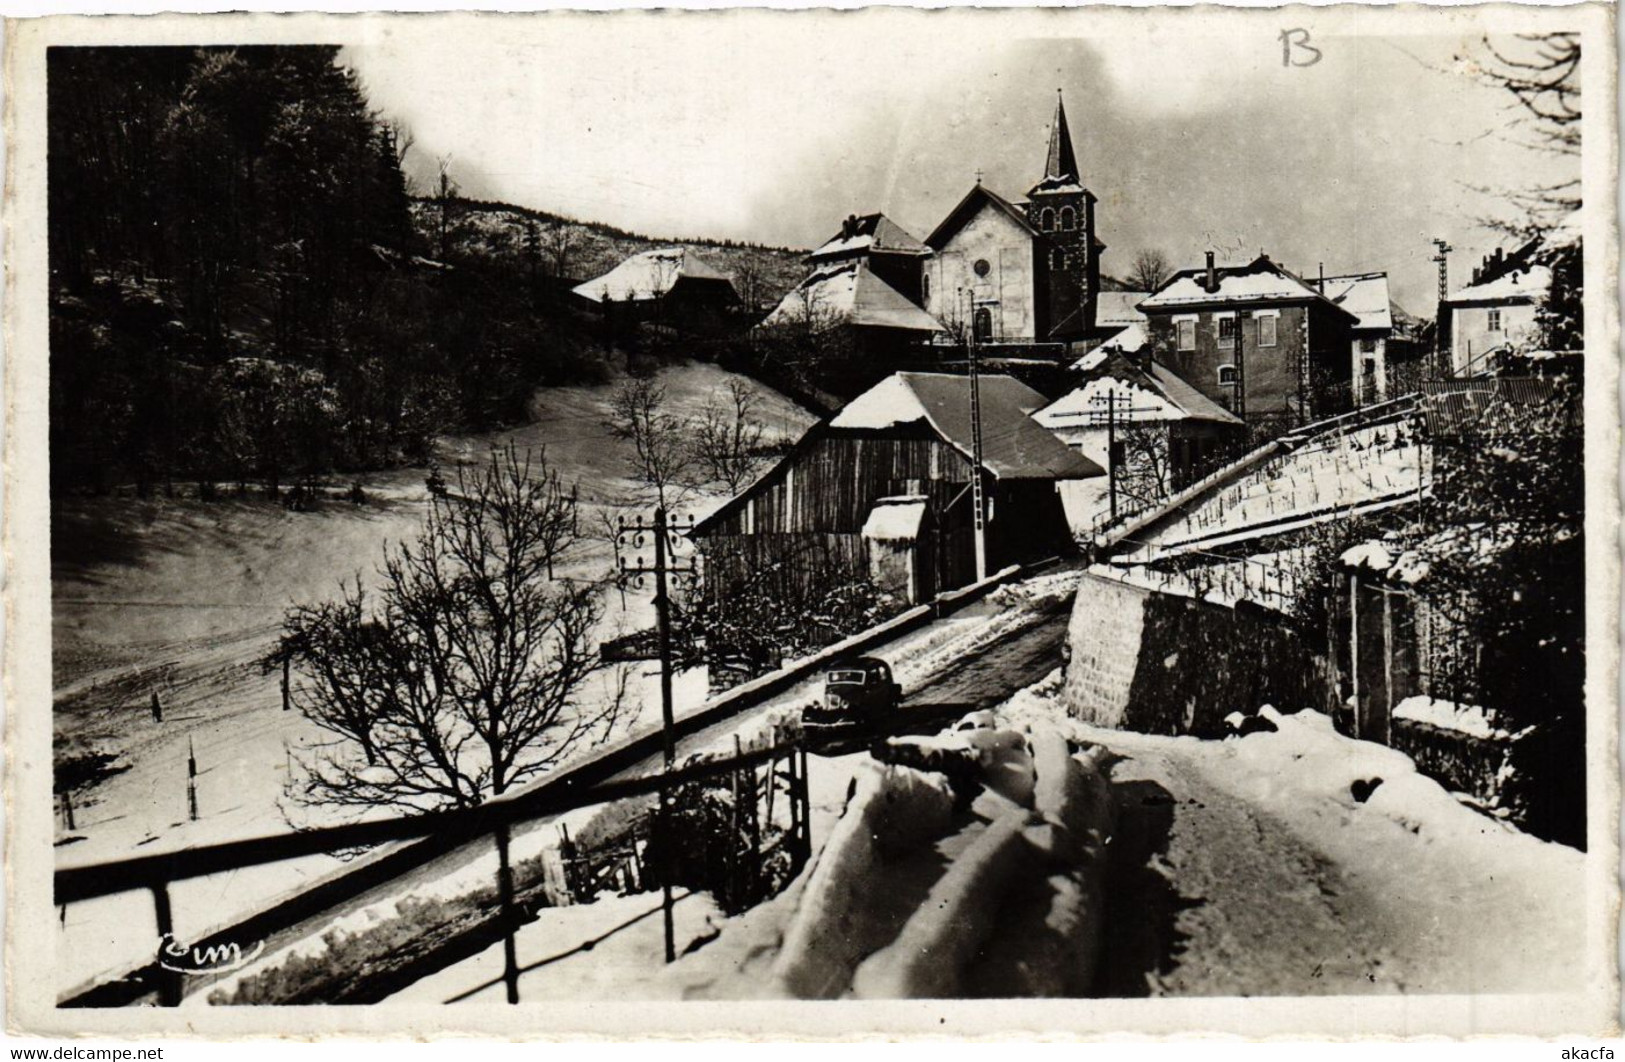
[181, 598]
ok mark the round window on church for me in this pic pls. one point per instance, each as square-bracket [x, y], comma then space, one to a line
[982, 267]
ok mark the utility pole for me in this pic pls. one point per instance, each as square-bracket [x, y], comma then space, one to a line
[979, 517]
[1241, 367]
[1111, 450]
[1112, 410]
[1440, 343]
[632, 533]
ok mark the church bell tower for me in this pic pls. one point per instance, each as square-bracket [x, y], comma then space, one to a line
[1067, 251]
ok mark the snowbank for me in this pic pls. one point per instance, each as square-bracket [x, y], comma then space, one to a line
[892, 810]
[944, 934]
[1469, 719]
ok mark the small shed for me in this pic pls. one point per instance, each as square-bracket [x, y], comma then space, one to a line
[897, 539]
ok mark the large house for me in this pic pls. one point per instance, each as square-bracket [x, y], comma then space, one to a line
[890, 251]
[864, 289]
[882, 491]
[1496, 312]
[1020, 273]
[1256, 339]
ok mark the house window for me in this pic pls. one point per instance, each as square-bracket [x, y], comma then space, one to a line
[1187, 333]
[1495, 320]
[1046, 220]
[1266, 331]
[983, 323]
[1227, 330]
[1368, 345]
[1057, 259]
[1227, 376]
[983, 267]
[1069, 219]
[925, 288]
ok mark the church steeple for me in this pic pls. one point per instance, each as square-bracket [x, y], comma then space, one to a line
[1061, 163]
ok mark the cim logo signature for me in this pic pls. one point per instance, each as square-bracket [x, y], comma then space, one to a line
[216, 958]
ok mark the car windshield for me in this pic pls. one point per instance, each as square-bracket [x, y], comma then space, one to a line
[845, 678]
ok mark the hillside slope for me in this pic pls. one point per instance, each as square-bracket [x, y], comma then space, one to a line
[572, 251]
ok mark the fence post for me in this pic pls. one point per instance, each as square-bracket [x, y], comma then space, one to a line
[806, 807]
[169, 981]
[669, 864]
[736, 876]
[510, 951]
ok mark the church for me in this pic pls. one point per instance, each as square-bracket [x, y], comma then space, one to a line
[1023, 273]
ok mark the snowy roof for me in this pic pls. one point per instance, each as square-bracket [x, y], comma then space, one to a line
[968, 208]
[849, 293]
[650, 275]
[1156, 396]
[1120, 307]
[1196, 405]
[1129, 341]
[1365, 295]
[871, 232]
[1014, 445]
[1518, 285]
[1260, 281]
[896, 519]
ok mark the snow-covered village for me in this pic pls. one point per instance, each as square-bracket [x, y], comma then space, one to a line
[1048, 519]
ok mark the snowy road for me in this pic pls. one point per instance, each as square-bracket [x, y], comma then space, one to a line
[1248, 867]
[1209, 896]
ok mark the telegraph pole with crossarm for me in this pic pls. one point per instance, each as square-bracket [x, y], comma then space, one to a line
[636, 535]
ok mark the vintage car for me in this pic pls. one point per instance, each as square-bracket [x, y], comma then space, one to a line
[858, 694]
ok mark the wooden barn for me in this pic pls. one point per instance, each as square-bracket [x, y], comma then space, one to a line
[882, 491]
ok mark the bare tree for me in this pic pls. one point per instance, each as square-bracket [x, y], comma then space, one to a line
[750, 276]
[728, 436]
[1145, 473]
[1150, 271]
[1541, 72]
[560, 243]
[445, 194]
[468, 674]
[662, 459]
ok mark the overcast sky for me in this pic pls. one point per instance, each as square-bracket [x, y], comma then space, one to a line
[773, 126]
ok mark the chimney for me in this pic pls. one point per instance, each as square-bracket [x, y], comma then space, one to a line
[1320, 285]
[1212, 275]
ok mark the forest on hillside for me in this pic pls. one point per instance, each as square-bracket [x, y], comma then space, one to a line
[245, 289]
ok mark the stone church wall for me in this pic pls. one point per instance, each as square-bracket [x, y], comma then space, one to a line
[1008, 249]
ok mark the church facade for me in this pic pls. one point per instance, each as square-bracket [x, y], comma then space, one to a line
[1020, 273]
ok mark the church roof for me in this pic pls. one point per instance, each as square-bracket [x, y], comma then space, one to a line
[968, 207]
[1060, 164]
[849, 293]
[867, 234]
[650, 275]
